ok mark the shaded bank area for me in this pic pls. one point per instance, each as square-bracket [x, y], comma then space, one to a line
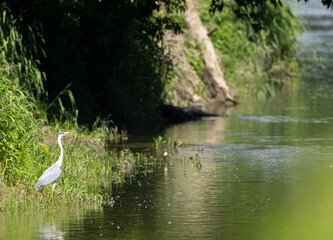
[106, 53]
[119, 58]
[173, 114]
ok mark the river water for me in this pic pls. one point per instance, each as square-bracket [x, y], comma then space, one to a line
[267, 171]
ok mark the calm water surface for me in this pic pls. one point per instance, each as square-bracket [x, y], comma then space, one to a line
[267, 173]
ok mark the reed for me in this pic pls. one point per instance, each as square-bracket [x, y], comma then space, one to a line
[16, 54]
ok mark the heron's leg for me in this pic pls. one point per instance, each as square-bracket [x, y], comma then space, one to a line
[52, 193]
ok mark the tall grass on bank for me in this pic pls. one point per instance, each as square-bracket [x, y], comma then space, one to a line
[89, 170]
[20, 84]
[16, 54]
[18, 128]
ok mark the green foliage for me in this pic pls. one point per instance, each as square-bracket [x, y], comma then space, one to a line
[17, 131]
[102, 129]
[16, 54]
[258, 53]
[160, 142]
[196, 161]
[20, 83]
[180, 144]
[195, 58]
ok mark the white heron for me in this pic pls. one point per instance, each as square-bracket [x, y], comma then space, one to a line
[52, 174]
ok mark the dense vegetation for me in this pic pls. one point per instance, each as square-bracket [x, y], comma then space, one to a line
[67, 62]
[19, 110]
[257, 54]
[263, 56]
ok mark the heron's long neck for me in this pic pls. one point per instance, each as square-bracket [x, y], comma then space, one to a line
[61, 152]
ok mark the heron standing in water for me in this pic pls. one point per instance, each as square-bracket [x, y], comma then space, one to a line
[52, 174]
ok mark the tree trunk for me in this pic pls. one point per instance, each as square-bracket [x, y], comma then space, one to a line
[218, 86]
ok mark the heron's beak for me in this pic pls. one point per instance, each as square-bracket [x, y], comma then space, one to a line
[68, 133]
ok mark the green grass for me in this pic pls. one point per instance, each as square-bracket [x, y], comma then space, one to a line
[16, 59]
[89, 170]
[18, 127]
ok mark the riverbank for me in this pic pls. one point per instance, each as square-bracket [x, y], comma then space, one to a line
[90, 168]
[28, 147]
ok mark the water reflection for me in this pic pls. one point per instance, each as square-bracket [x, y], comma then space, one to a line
[29, 225]
[209, 130]
[49, 231]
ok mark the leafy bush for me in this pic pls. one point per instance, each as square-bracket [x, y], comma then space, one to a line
[17, 131]
[20, 83]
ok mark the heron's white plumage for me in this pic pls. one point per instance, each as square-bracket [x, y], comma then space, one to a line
[52, 174]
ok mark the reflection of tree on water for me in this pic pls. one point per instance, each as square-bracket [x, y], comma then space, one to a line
[50, 231]
[208, 130]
